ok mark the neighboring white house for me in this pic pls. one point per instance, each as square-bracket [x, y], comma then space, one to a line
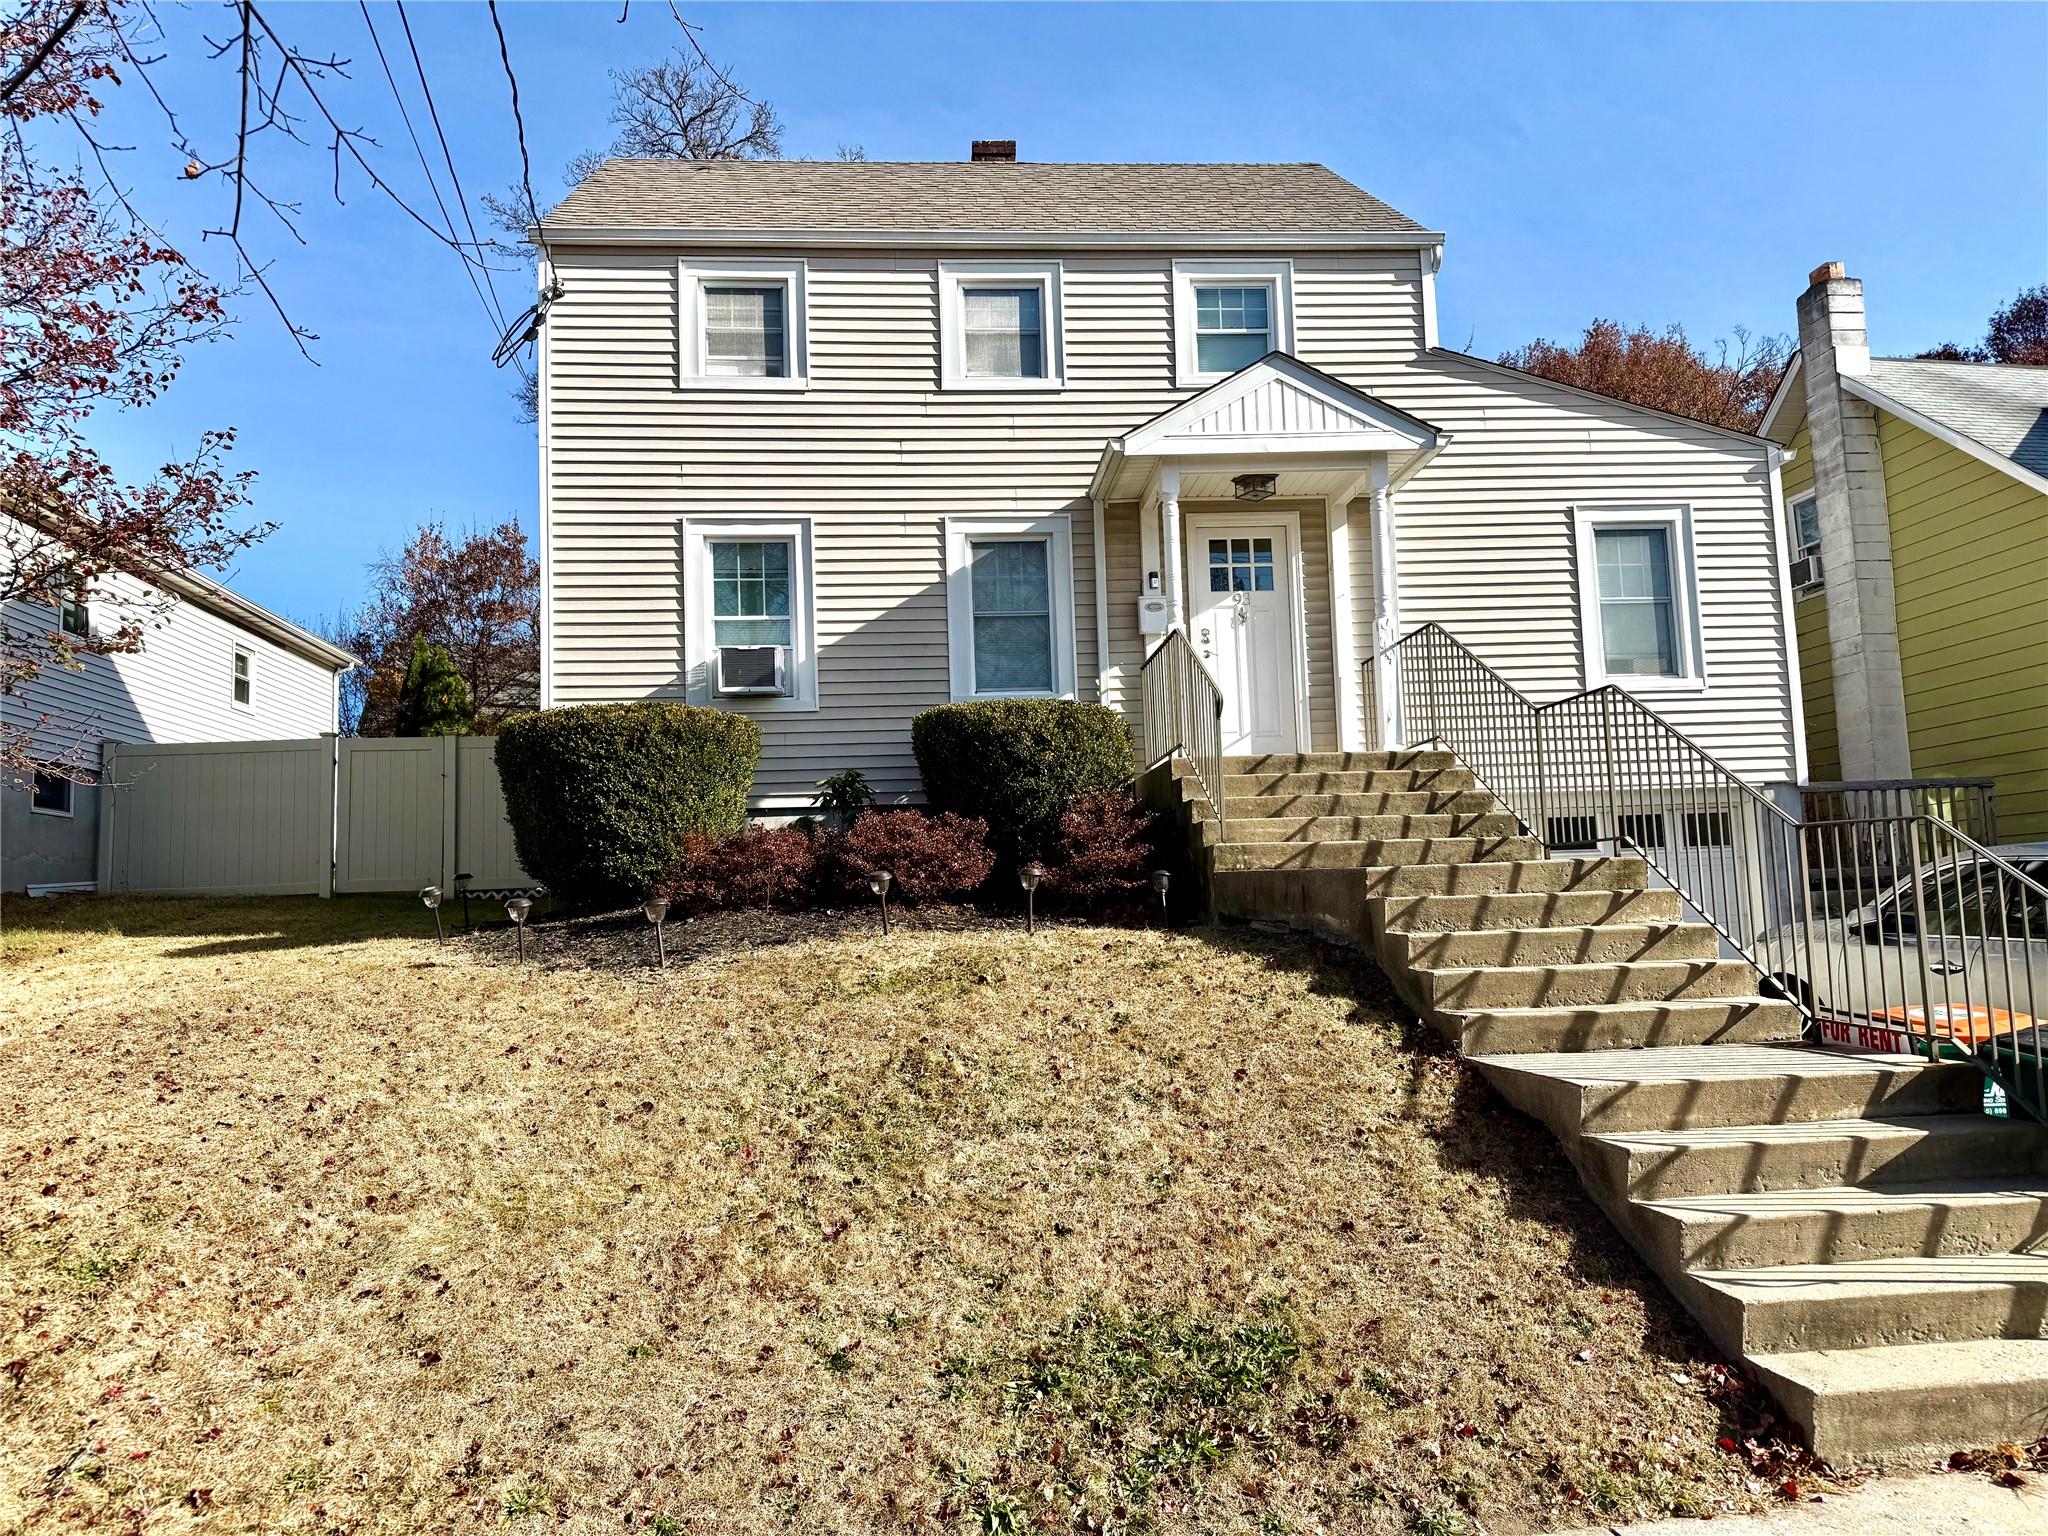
[213, 667]
[831, 443]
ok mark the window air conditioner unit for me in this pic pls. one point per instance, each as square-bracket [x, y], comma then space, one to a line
[753, 670]
[1806, 573]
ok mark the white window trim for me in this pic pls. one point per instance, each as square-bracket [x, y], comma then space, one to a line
[699, 647]
[70, 800]
[1187, 275]
[956, 276]
[691, 276]
[248, 654]
[1058, 531]
[1801, 551]
[1676, 519]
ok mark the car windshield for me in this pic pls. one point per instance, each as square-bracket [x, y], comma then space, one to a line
[1974, 900]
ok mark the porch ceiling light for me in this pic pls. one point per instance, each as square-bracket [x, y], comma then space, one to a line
[1254, 487]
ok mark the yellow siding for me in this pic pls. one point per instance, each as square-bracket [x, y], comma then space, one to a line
[1810, 615]
[1970, 568]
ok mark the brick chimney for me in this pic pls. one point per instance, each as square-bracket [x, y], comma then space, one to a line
[1855, 530]
[993, 152]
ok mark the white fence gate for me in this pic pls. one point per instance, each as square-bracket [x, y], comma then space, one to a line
[305, 817]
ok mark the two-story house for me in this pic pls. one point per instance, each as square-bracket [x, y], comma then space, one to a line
[831, 443]
[213, 666]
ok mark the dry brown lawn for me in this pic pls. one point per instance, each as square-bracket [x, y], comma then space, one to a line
[310, 1225]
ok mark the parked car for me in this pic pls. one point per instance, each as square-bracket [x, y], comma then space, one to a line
[1957, 952]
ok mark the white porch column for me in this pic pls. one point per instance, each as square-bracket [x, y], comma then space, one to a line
[1169, 546]
[1386, 605]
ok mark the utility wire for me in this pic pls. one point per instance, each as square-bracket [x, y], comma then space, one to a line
[519, 122]
[461, 201]
[528, 325]
[493, 311]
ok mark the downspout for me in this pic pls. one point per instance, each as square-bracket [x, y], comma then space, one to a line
[1101, 602]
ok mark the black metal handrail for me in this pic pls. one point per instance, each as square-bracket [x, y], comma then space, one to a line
[1896, 929]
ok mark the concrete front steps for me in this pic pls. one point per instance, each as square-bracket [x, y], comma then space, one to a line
[1852, 1226]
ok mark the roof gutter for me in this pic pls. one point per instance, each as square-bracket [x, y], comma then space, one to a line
[1014, 239]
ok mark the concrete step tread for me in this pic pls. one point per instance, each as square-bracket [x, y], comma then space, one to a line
[1962, 1366]
[1333, 829]
[1847, 1200]
[1702, 1063]
[1856, 1279]
[1336, 762]
[1449, 973]
[1903, 1128]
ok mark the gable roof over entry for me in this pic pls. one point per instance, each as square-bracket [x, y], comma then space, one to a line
[1278, 407]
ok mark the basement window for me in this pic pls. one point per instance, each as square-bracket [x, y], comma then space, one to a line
[51, 795]
[1709, 829]
[1562, 833]
[1644, 829]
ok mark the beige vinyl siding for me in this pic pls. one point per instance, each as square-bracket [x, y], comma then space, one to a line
[1485, 539]
[876, 455]
[1810, 613]
[1970, 588]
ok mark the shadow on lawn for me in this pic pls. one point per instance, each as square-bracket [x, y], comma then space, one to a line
[221, 925]
[1485, 1136]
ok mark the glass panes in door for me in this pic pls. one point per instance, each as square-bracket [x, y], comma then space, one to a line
[1241, 565]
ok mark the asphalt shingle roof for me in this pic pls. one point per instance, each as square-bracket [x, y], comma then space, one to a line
[817, 197]
[2002, 406]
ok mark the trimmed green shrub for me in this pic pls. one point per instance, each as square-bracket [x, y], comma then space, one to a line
[1017, 764]
[601, 796]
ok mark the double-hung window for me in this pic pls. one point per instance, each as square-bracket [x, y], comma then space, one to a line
[746, 332]
[1637, 605]
[1010, 607]
[243, 678]
[742, 324]
[750, 592]
[999, 325]
[1233, 325]
[1227, 315]
[747, 586]
[1806, 568]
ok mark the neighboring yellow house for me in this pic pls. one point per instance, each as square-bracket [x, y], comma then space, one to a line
[1916, 498]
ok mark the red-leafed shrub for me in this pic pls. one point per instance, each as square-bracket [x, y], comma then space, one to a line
[934, 858]
[780, 867]
[1106, 853]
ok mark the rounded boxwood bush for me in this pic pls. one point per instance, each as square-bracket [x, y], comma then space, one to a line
[601, 796]
[1017, 764]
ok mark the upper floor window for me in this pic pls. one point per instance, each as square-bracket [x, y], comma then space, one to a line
[1233, 326]
[1637, 608]
[746, 333]
[1806, 570]
[1228, 315]
[73, 618]
[244, 678]
[742, 324]
[999, 325]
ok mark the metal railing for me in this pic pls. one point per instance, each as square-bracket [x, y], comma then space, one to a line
[1182, 711]
[1968, 805]
[1889, 931]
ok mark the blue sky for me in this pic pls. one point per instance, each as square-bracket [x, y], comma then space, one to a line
[1656, 163]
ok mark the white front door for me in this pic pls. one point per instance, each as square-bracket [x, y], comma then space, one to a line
[1241, 616]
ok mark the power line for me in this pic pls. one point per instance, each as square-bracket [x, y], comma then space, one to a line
[434, 113]
[519, 122]
[493, 311]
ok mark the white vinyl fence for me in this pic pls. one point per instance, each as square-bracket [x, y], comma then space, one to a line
[306, 817]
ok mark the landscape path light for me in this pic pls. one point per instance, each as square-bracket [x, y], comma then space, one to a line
[516, 909]
[657, 914]
[431, 896]
[1028, 877]
[878, 882]
[1160, 880]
